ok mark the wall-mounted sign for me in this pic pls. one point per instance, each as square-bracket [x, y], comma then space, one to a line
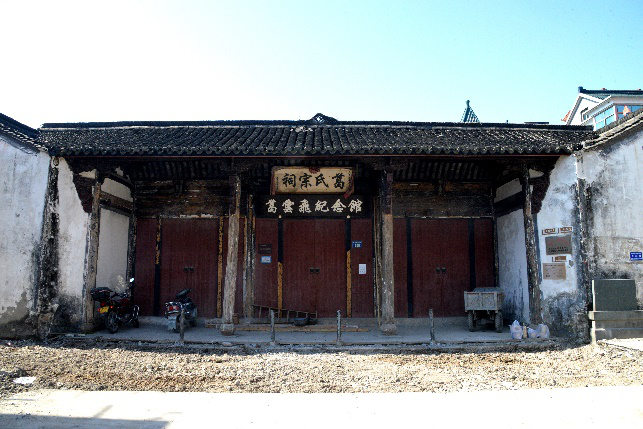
[362, 268]
[565, 229]
[557, 245]
[559, 258]
[312, 206]
[266, 259]
[265, 249]
[554, 271]
[305, 180]
[636, 256]
[357, 245]
[548, 231]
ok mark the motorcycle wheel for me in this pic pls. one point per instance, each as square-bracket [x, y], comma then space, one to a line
[135, 323]
[177, 324]
[193, 322]
[112, 322]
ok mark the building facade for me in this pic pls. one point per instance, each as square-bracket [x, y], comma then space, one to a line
[383, 220]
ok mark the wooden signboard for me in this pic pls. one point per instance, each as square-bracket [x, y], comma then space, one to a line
[312, 206]
[305, 180]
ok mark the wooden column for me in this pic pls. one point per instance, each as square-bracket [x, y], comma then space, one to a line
[230, 284]
[535, 313]
[249, 263]
[91, 258]
[388, 288]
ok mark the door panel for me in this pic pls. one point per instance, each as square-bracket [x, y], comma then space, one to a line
[399, 267]
[190, 243]
[314, 271]
[485, 261]
[267, 231]
[330, 259]
[456, 280]
[362, 284]
[440, 256]
[145, 265]
[299, 291]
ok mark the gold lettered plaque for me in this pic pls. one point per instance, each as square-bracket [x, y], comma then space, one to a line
[310, 180]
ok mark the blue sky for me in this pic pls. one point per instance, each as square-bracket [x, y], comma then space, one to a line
[516, 61]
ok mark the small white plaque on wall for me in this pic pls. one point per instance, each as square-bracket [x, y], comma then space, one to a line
[362, 268]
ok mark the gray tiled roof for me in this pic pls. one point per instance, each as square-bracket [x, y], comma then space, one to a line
[20, 132]
[315, 137]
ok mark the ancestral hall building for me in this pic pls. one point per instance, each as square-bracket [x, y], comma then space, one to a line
[380, 220]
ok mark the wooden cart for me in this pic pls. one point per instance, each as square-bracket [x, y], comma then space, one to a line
[484, 304]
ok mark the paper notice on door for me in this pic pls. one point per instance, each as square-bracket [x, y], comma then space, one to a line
[362, 268]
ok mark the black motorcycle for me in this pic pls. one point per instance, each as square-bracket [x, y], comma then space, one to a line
[173, 311]
[116, 308]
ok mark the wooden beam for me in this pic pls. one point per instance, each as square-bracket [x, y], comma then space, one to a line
[535, 312]
[388, 288]
[91, 258]
[230, 285]
[249, 261]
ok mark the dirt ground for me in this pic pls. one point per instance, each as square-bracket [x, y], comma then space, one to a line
[95, 365]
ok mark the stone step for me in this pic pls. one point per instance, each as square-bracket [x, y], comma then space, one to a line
[616, 315]
[617, 323]
[615, 333]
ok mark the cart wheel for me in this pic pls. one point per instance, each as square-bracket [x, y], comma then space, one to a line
[498, 321]
[112, 322]
[471, 321]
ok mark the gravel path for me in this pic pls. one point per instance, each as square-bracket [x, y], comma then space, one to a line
[64, 364]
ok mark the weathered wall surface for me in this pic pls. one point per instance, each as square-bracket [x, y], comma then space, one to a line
[512, 266]
[113, 243]
[23, 188]
[72, 246]
[562, 299]
[611, 175]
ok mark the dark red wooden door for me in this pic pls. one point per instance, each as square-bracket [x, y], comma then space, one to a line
[400, 267]
[362, 284]
[484, 255]
[330, 259]
[189, 260]
[440, 261]
[266, 270]
[314, 265]
[299, 286]
[145, 264]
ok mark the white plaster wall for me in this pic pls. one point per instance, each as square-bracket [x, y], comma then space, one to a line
[615, 175]
[117, 189]
[113, 239]
[23, 188]
[559, 210]
[72, 237]
[512, 266]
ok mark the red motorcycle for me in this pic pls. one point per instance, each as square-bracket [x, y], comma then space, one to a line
[116, 308]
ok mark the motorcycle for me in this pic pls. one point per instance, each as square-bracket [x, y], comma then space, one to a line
[115, 307]
[173, 311]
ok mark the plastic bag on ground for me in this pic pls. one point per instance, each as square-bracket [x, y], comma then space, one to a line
[543, 331]
[533, 333]
[516, 330]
